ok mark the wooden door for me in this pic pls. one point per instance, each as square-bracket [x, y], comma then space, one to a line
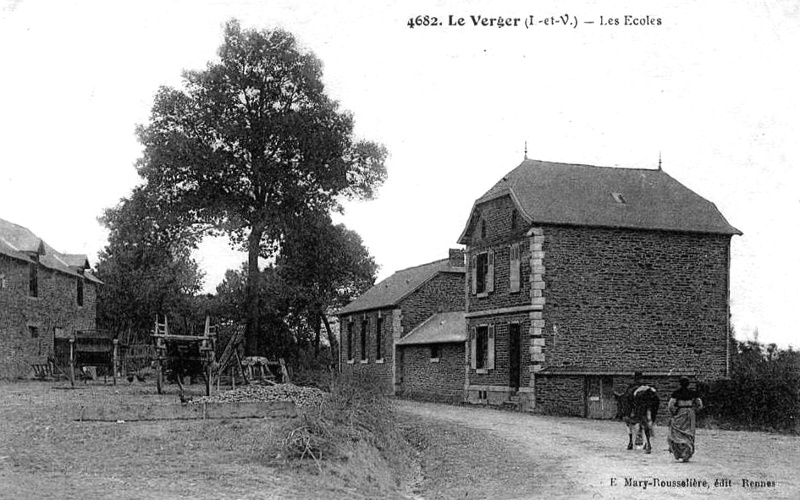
[600, 401]
[514, 355]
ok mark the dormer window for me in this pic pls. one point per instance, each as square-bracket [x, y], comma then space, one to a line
[619, 198]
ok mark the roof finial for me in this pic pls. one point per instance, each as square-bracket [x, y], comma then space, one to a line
[526, 150]
[659, 160]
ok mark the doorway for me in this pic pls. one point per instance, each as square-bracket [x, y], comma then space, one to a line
[600, 401]
[514, 355]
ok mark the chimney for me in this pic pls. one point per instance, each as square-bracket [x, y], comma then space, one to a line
[456, 257]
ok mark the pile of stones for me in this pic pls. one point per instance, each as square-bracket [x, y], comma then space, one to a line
[302, 397]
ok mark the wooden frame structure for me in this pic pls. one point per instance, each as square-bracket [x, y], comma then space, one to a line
[205, 344]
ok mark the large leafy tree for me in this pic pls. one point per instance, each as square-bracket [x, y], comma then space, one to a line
[146, 267]
[324, 266]
[251, 145]
[228, 306]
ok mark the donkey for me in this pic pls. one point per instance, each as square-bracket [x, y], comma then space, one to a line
[638, 407]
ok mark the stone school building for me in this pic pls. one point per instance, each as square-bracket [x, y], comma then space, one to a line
[407, 332]
[576, 278]
[46, 297]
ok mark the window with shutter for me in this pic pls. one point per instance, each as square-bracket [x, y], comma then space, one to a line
[364, 328]
[79, 291]
[33, 275]
[350, 341]
[473, 349]
[490, 348]
[379, 339]
[514, 268]
[481, 347]
[490, 271]
[482, 266]
[474, 274]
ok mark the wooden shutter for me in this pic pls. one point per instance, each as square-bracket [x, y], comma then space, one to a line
[514, 263]
[472, 341]
[490, 272]
[490, 349]
[474, 273]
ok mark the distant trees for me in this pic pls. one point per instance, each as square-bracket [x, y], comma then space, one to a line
[320, 268]
[146, 267]
[252, 147]
[323, 266]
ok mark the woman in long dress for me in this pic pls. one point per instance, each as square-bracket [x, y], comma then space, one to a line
[682, 407]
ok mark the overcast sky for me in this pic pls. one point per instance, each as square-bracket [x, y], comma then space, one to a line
[711, 85]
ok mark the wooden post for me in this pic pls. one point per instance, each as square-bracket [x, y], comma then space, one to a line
[233, 379]
[72, 362]
[159, 374]
[208, 379]
[239, 364]
[115, 361]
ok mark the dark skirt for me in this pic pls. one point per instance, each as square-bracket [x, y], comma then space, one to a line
[681, 434]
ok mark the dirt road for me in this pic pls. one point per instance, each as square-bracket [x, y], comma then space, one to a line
[579, 458]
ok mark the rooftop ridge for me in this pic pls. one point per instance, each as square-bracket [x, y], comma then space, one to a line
[529, 160]
[420, 265]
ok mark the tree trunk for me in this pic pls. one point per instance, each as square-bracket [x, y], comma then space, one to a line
[332, 340]
[316, 323]
[253, 326]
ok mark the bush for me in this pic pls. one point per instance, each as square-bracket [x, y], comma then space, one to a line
[312, 370]
[762, 393]
[356, 411]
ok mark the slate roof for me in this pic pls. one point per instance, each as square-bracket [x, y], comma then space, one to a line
[394, 288]
[18, 242]
[585, 195]
[440, 328]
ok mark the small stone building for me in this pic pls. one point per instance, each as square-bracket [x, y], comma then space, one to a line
[46, 298]
[432, 359]
[372, 326]
[580, 276]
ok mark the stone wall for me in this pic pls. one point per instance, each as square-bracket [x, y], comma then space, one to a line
[566, 394]
[380, 370]
[627, 300]
[428, 380]
[560, 395]
[497, 215]
[442, 293]
[55, 307]
[499, 376]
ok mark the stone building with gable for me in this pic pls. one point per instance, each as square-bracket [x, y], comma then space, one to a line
[408, 331]
[46, 298]
[581, 276]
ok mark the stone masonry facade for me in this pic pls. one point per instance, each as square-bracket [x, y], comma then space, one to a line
[494, 232]
[645, 301]
[442, 293]
[28, 325]
[365, 362]
[438, 379]
[593, 301]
